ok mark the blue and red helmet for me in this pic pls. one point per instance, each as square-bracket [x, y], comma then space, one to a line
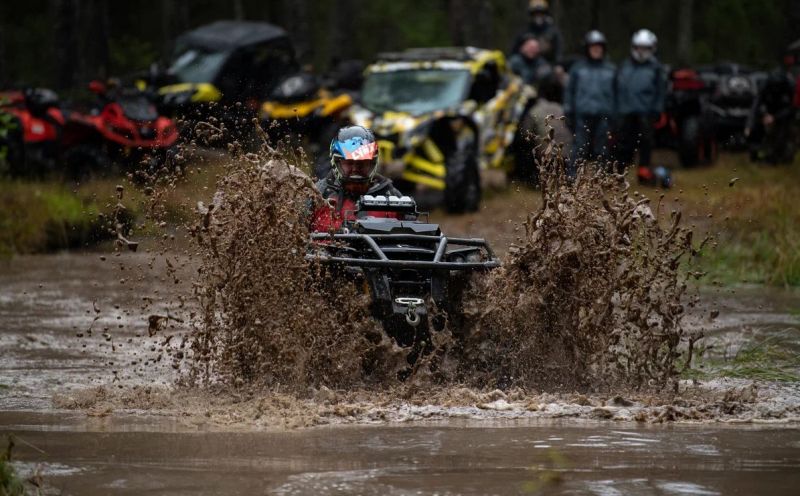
[354, 144]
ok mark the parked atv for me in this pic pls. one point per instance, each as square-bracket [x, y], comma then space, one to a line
[443, 115]
[732, 91]
[305, 111]
[121, 127]
[34, 138]
[225, 70]
[685, 125]
[416, 275]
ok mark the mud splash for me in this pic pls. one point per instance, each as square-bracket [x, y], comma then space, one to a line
[590, 297]
[267, 316]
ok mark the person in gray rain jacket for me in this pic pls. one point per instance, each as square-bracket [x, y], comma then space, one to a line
[641, 85]
[590, 101]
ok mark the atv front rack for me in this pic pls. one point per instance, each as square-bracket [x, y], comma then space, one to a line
[439, 245]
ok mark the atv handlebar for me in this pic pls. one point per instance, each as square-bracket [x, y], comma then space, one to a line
[440, 242]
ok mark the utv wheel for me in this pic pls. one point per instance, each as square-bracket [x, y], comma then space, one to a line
[463, 180]
[84, 162]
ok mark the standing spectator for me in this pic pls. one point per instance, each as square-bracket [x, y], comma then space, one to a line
[769, 126]
[543, 28]
[641, 84]
[590, 101]
[529, 64]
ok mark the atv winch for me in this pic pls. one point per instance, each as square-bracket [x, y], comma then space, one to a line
[410, 268]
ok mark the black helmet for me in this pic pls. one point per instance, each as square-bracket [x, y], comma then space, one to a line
[594, 37]
[357, 144]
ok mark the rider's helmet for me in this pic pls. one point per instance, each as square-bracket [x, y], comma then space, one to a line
[643, 45]
[354, 157]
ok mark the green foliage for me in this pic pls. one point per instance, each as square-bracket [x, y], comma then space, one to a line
[37, 217]
[129, 53]
[10, 483]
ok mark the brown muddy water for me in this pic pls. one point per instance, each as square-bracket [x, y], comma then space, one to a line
[497, 444]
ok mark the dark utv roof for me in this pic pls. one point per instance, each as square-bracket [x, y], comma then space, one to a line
[225, 35]
[429, 54]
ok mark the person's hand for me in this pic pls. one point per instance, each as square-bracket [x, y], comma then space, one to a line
[747, 132]
[768, 119]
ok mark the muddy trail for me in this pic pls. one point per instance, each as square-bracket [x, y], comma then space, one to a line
[588, 326]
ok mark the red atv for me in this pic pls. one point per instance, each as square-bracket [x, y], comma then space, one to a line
[685, 124]
[33, 140]
[123, 127]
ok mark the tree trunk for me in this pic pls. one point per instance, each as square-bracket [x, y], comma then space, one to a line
[66, 45]
[238, 10]
[685, 11]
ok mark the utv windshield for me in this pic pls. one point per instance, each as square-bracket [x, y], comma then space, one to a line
[414, 91]
[197, 66]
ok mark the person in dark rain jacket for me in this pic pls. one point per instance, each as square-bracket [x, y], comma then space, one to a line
[590, 101]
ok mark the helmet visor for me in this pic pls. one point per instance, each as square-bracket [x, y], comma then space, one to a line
[356, 170]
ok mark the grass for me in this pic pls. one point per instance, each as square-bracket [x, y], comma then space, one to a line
[45, 216]
[10, 483]
[752, 213]
[772, 359]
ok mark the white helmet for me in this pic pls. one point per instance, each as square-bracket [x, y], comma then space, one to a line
[643, 44]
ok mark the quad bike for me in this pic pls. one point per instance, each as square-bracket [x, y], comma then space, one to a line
[32, 141]
[416, 275]
[122, 127]
[307, 109]
[685, 125]
[732, 91]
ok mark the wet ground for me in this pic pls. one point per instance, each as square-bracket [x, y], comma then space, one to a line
[494, 445]
[89, 457]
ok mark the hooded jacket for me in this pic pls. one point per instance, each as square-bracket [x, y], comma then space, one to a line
[641, 87]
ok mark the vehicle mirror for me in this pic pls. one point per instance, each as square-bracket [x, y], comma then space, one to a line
[97, 87]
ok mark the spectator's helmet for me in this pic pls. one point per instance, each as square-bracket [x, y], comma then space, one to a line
[354, 157]
[643, 45]
[538, 7]
[594, 37]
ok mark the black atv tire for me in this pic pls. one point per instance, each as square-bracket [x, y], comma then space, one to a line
[696, 145]
[83, 162]
[463, 180]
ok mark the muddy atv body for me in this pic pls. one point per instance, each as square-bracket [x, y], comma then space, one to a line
[444, 116]
[415, 275]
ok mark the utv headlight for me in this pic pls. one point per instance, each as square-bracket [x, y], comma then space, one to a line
[416, 134]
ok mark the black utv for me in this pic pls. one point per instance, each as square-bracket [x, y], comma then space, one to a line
[231, 66]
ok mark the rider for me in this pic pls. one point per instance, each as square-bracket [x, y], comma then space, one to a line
[354, 163]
